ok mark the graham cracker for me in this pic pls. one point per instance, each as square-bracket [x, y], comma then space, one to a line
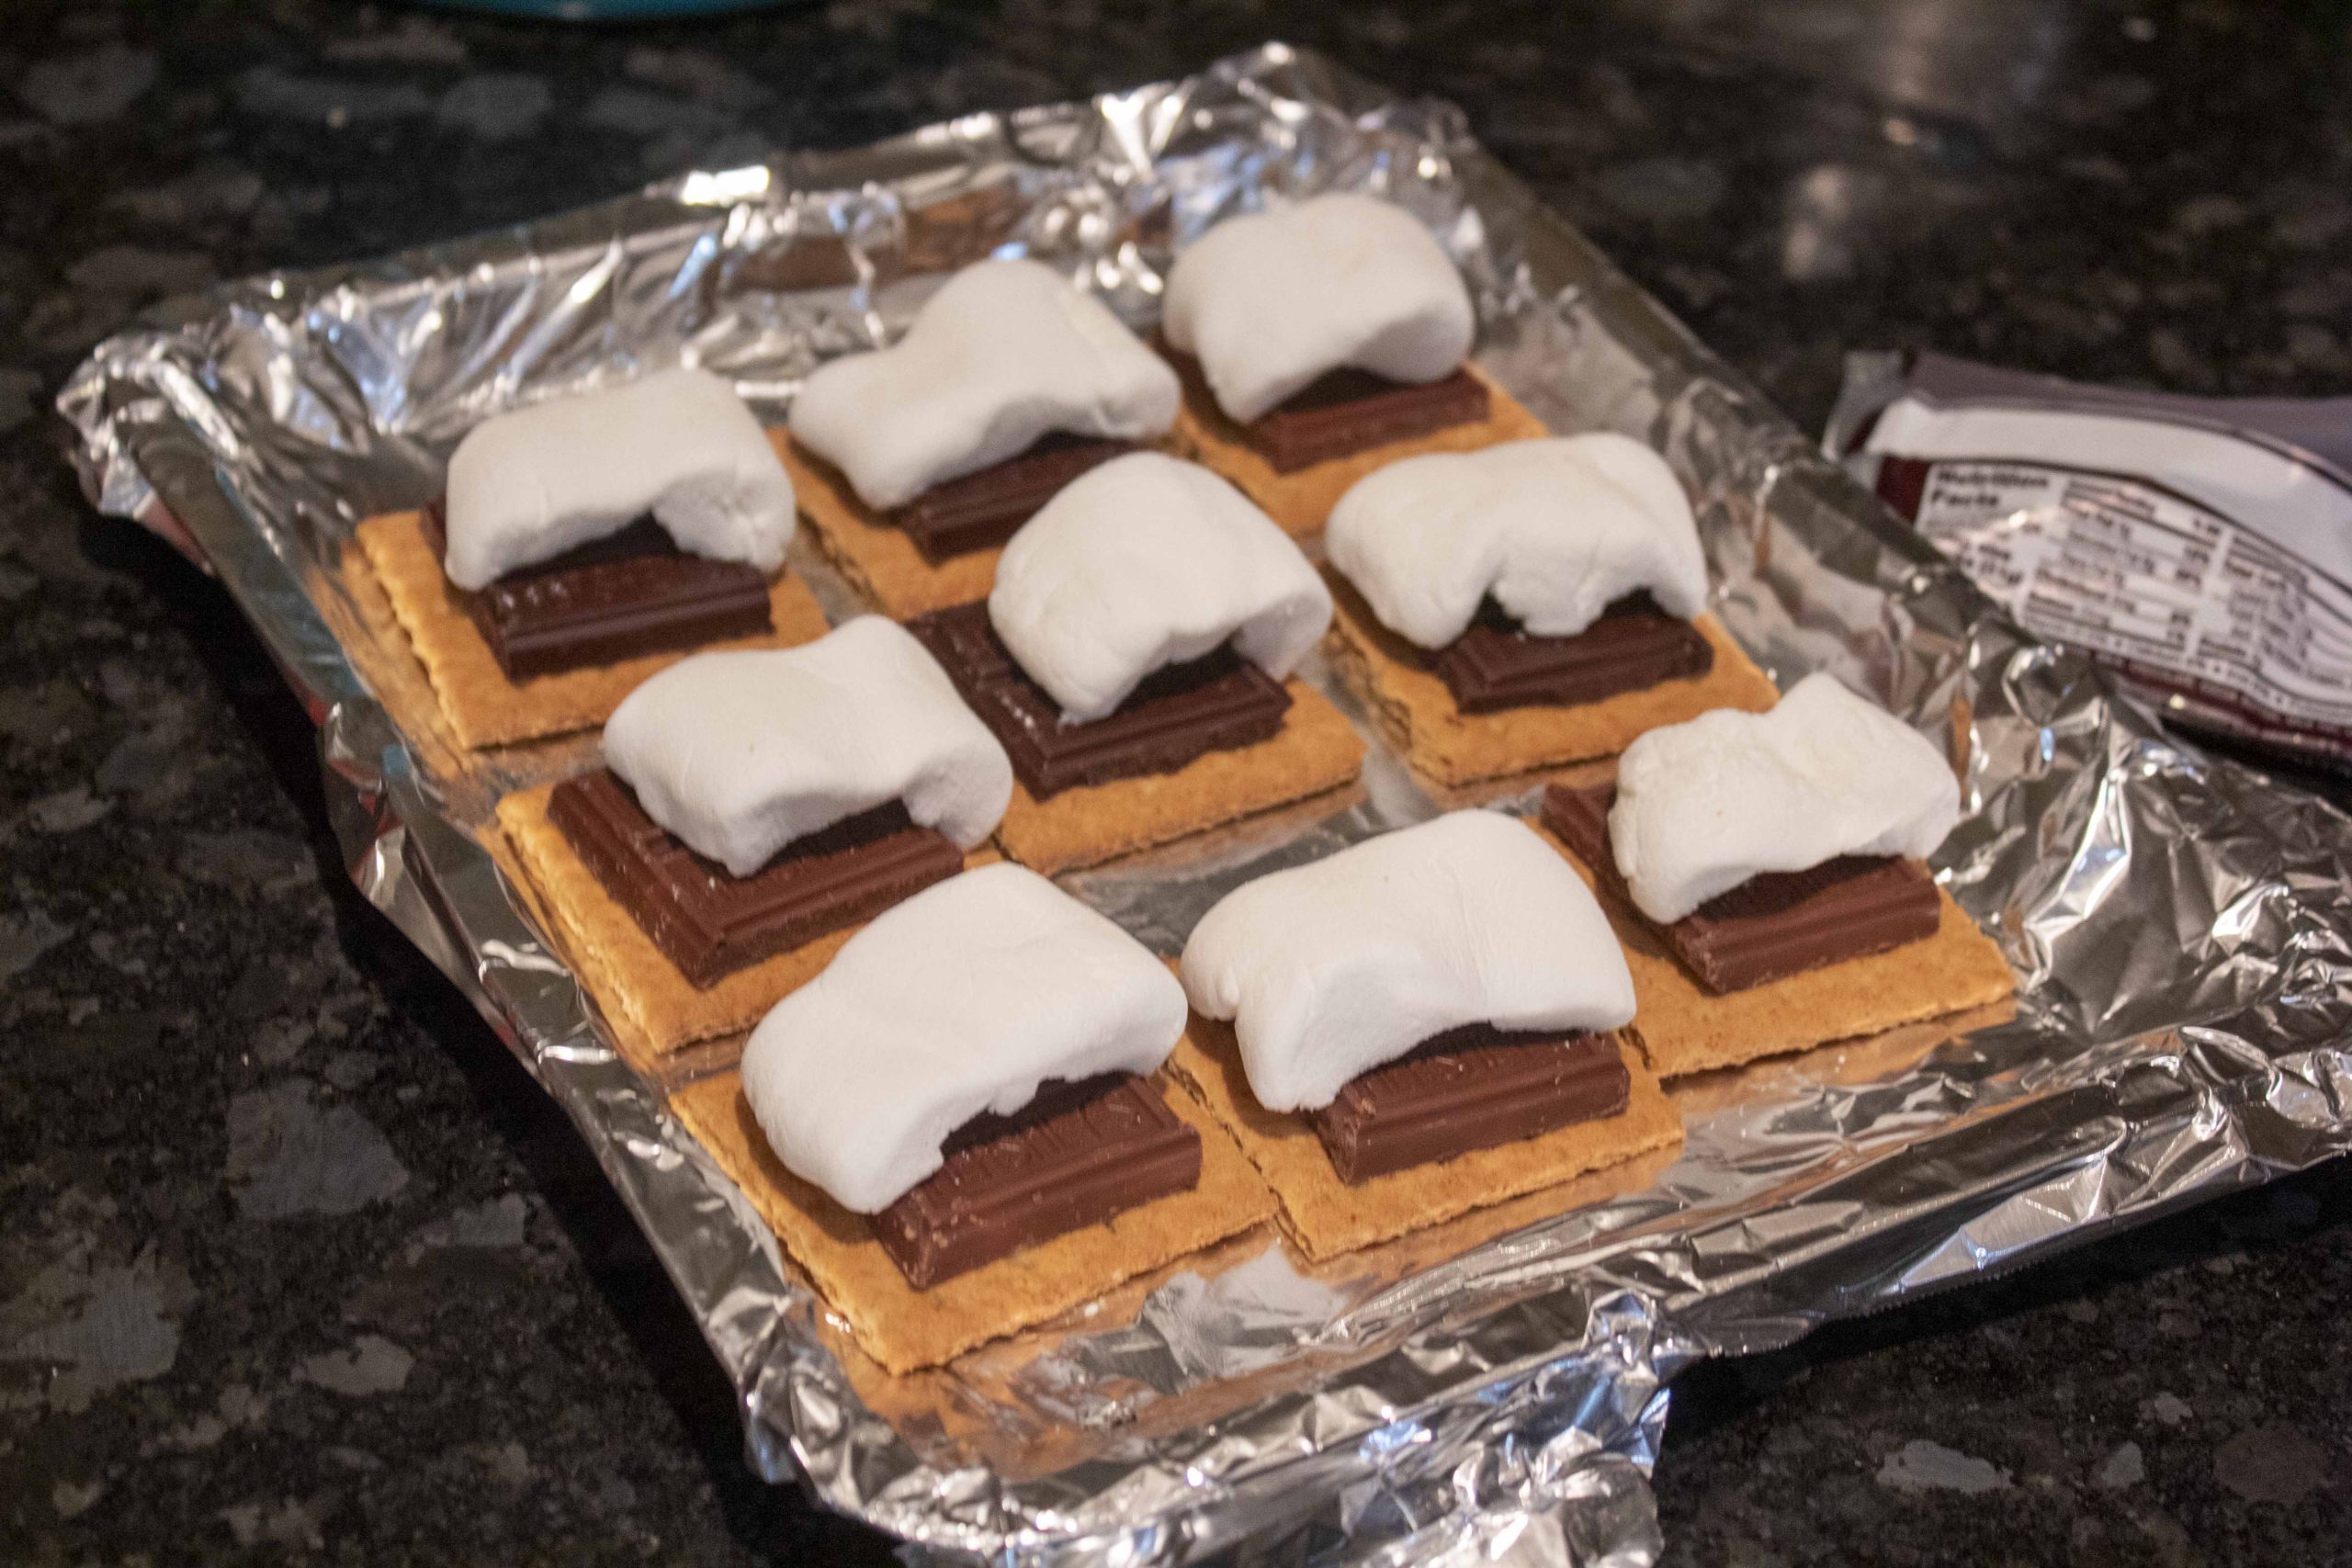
[379, 650]
[654, 1010]
[880, 560]
[1415, 711]
[1400, 1258]
[955, 1411]
[1873, 1058]
[1684, 1028]
[904, 1328]
[1325, 1216]
[1315, 749]
[484, 706]
[1301, 501]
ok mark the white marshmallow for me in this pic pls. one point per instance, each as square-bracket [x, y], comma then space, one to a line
[1006, 351]
[1332, 968]
[1145, 561]
[1704, 806]
[526, 486]
[1555, 529]
[961, 999]
[739, 753]
[1271, 301]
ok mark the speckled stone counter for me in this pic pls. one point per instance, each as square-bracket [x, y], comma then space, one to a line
[295, 1263]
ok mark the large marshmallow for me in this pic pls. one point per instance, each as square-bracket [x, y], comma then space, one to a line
[1147, 561]
[740, 754]
[1006, 351]
[1555, 529]
[962, 1000]
[526, 486]
[1330, 969]
[1704, 806]
[1271, 301]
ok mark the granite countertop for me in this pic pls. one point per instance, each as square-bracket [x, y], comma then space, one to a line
[294, 1262]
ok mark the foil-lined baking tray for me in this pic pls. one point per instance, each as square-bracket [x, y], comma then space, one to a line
[1492, 1389]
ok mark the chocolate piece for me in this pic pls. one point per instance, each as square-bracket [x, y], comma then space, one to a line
[710, 924]
[1343, 413]
[1469, 1089]
[1348, 412]
[793, 263]
[955, 230]
[988, 507]
[1216, 703]
[1633, 647]
[628, 593]
[1774, 925]
[1073, 1156]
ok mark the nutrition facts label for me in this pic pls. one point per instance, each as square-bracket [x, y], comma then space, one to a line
[2179, 596]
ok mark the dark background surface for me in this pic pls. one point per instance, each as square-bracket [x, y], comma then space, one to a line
[295, 1262]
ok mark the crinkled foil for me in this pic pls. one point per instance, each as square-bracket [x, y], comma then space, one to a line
[1494, 1390]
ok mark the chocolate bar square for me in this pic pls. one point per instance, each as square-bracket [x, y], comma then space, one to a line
[630, 592]
[1343, 411]
[1348, 412]
[1216, 703]
[1634, 646]
[988, 507]
[1075, 1156]
[710, 924]
[1472, 1088]
[1774, 925]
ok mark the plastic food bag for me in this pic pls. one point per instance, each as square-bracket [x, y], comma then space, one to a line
[2202, 546]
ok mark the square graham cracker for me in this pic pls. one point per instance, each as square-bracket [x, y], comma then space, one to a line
[483, 705]
[654, 1010]
[1316, 748]
[877, 557]
[1685, 1027]
[1301, 501]
[1325, 1216]
[879, 561]
[1873, 1058]
[905, 1329]
[1388, 1262]
[370, 632]
[1416, 712]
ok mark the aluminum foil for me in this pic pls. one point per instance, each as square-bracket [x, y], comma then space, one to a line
[1494, 1390]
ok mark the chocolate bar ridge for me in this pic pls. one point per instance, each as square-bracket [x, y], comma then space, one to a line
[629, 593]
[709, 923]
[1348, 412]
[1217, 703]
[1469, 1088]
[1634, 646]
[1774, 925]
[1344, 412]
[988, 506]
[1076, 1155]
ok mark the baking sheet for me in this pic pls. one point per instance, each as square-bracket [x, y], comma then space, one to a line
[1494, 1388]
